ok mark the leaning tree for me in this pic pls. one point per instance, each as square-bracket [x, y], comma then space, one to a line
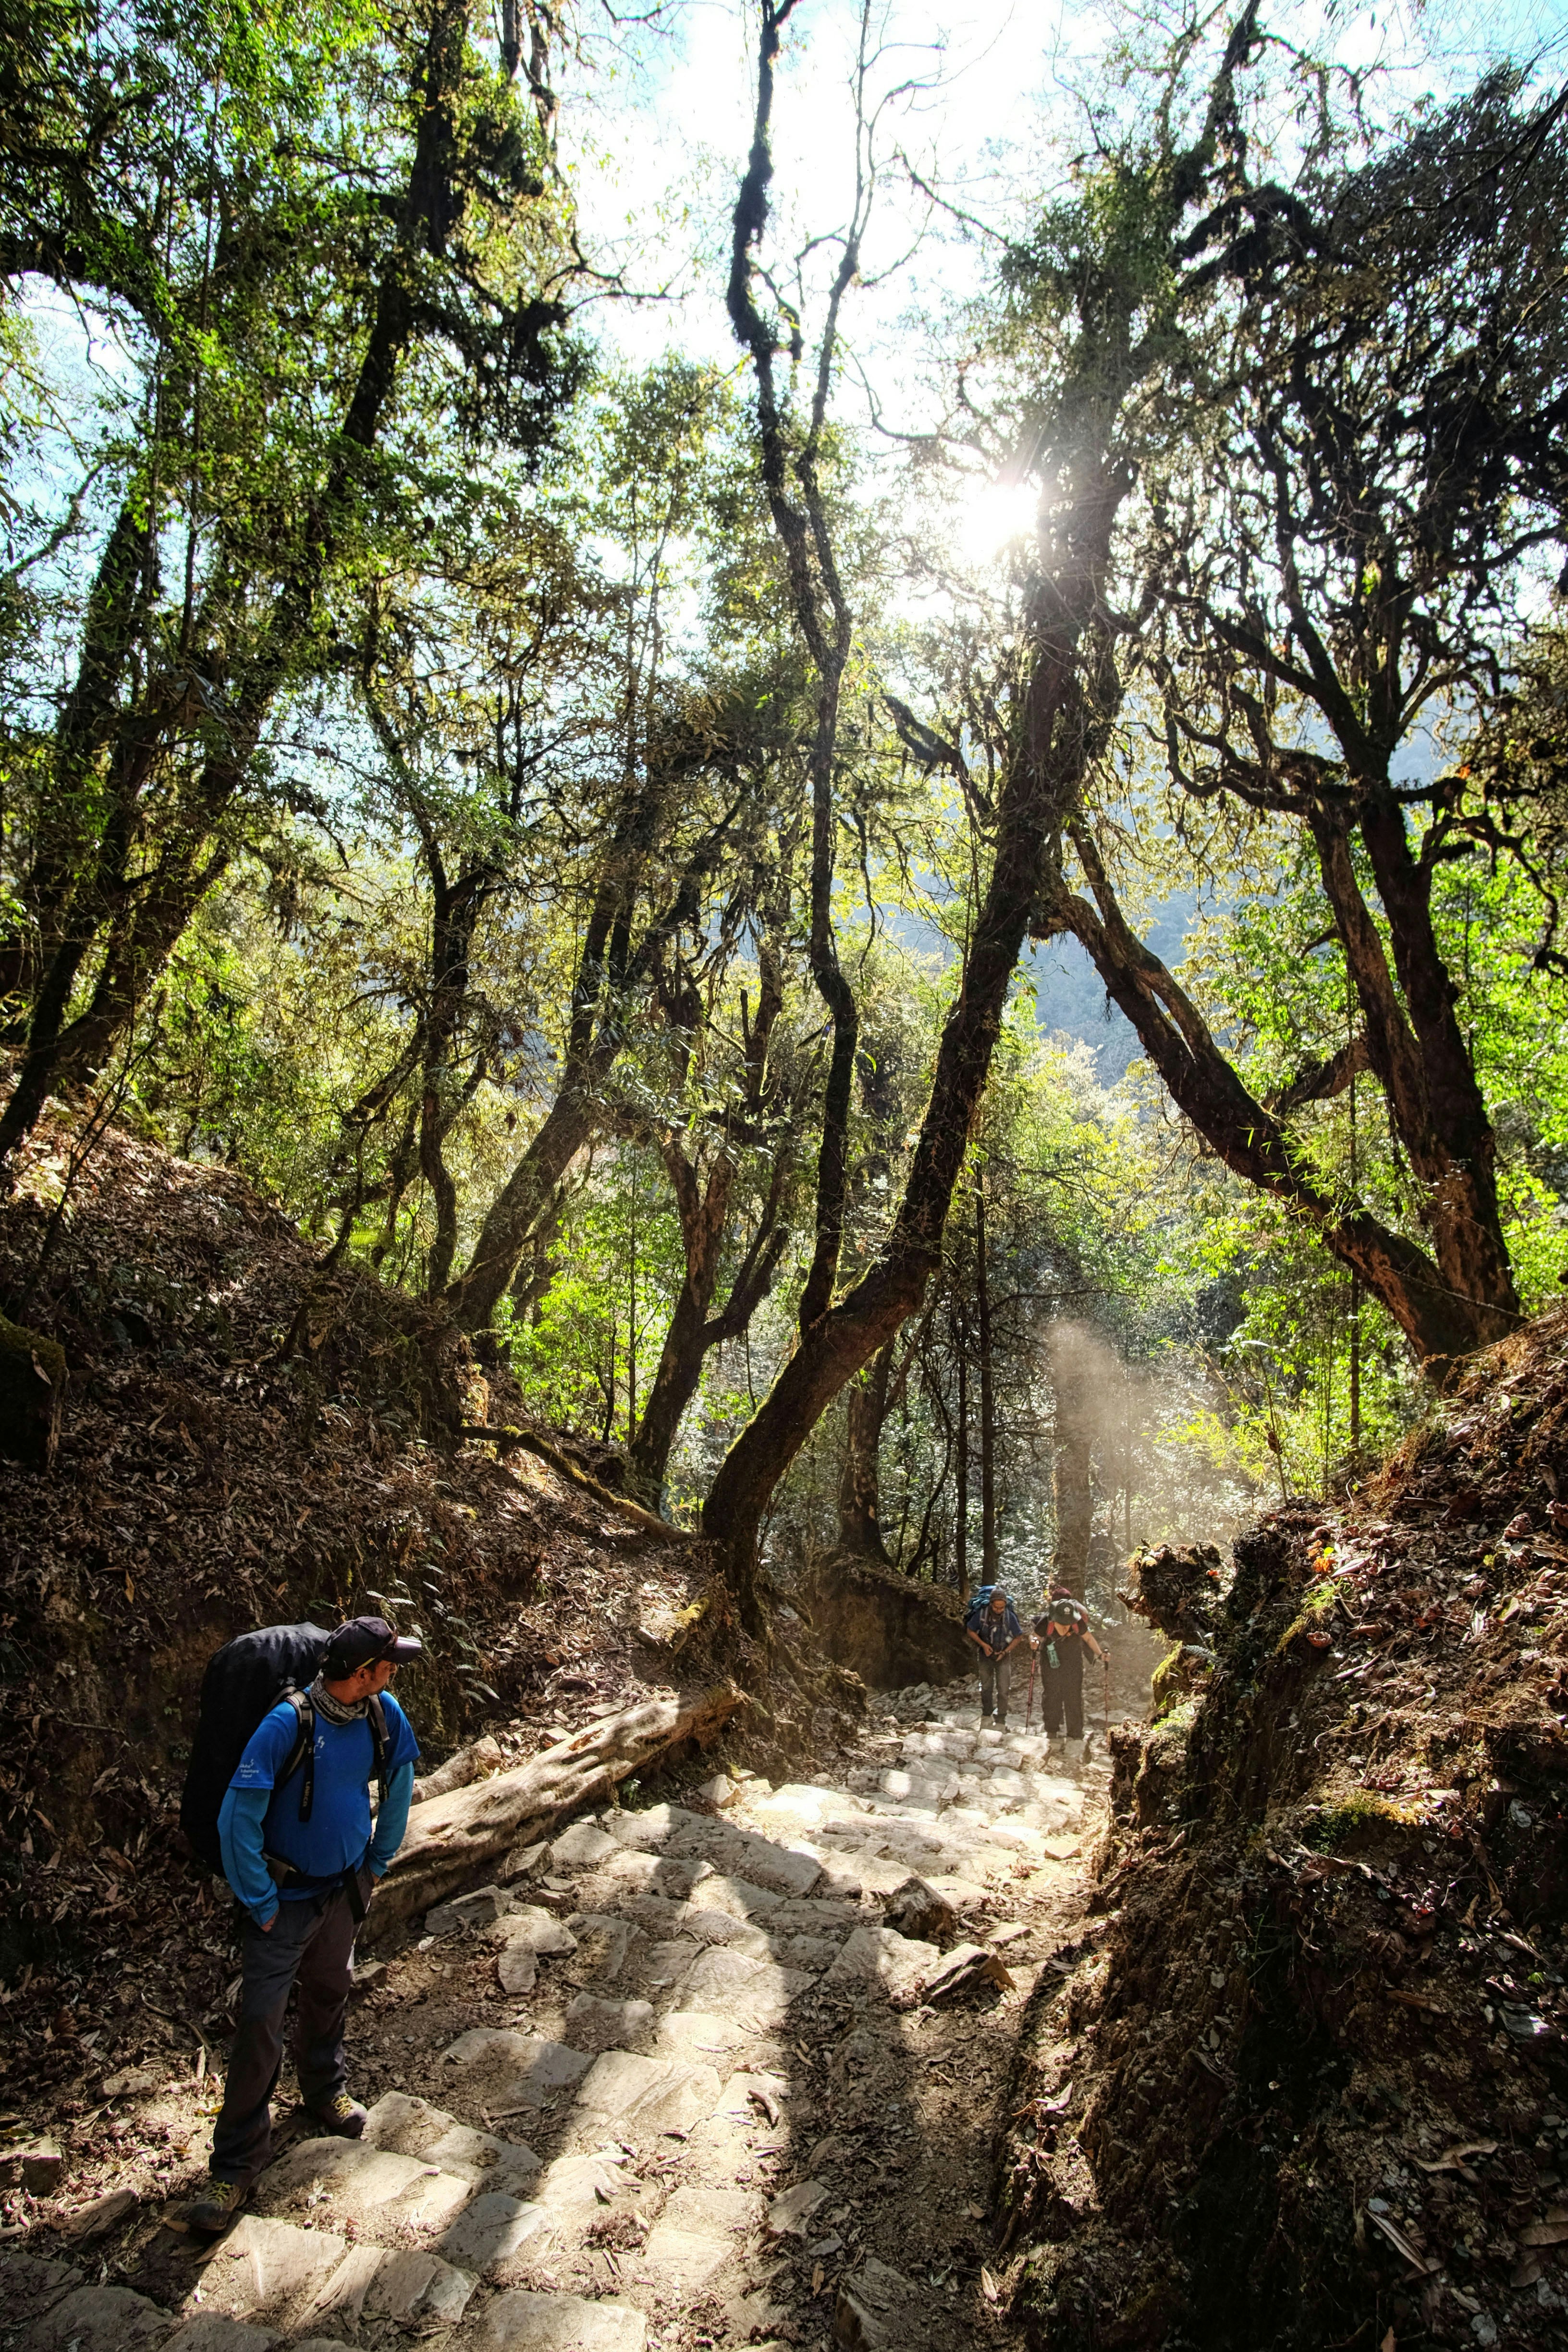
[1372, 453]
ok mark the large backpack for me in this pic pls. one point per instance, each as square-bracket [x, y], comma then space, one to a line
[979, 1602]
[242, 1682]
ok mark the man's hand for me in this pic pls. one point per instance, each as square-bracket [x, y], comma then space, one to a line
[266, 1925]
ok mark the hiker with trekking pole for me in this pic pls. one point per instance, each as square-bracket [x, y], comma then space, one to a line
[1060, 1635]
[990, 1624]
[277, 1799]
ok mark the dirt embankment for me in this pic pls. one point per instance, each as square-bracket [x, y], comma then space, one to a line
[1306, 2083]
[245, 1439]
[890, 1629]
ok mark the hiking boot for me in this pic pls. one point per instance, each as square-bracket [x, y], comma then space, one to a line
[342, 2116]
[1074, 1753]
[211, 2214]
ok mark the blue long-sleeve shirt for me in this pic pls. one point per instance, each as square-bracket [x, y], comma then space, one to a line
[240, 1825]
[260, 1816]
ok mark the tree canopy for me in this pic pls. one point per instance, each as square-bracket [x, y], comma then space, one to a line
[573, 807]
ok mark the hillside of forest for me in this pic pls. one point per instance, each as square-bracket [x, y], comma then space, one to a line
[1312, 2078]
[243, 1441]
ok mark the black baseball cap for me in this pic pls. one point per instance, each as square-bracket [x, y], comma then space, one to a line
[365, 1641]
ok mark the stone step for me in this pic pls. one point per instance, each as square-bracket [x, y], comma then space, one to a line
[493, 2229]
[697, 2036]
[697, 2233]
[755, 1993]
[523, 2321]
[97, 2319]
[503, 2071]
[307, 2280]
[269, 2272]
[411, 2127]
[575, 2190]
[351, 2181]
[743, 1855]
[644, 2097]
[649, 1831]
[878, 1959]
[595, 2024]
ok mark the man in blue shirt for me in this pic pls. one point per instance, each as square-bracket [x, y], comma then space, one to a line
[996, 1632]
[302, 1867]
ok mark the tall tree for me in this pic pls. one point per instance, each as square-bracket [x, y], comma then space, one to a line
[702, 1161]
[1116, 272]
[1375, 453]
[283, 293]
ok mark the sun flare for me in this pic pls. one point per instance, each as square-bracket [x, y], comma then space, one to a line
[994, 516]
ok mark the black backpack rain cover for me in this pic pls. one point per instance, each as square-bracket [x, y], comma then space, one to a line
[244, 1680]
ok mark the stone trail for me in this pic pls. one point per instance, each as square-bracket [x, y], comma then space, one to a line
[722, 2110]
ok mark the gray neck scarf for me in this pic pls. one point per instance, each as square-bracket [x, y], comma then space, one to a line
[334, 1709]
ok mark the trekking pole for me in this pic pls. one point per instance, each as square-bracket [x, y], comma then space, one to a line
[1105, 1667]
[1034, 1662]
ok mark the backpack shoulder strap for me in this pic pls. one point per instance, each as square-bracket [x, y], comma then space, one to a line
[303, 1751]
[381, 1743]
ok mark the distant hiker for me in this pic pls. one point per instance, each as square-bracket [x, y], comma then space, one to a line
[1061, 1633]
[996, 1632]
[299, 1853]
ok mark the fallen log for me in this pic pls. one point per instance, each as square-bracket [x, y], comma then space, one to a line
[469, 1764]
[451, 1837]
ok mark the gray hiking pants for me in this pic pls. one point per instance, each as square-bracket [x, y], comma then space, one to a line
[995, 1681]
[309, 1949]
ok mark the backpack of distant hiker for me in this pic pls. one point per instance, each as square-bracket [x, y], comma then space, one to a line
[975, 1614]
[242, 1682]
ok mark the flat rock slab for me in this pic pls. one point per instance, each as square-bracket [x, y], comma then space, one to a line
[743, 1854]
[815, 1914]
[97, 2320]
[695, 2035]
[490, 2231]
[595, 2024]
[875, 2310]
[473, 1910]
[364, 2184]
[878, 1958]
[521, 2321]
[418, 2285]
[741, 1897]
[668, 1923]
[604, 1943]
[650, 1830]
[648, 2095]
[788, 2214]
[634, 1873]
[753, 1993]
[515, 2069]
[411, 2127]
[963, 1894]
[695, 2235]
[517, 1969]
[664, 1965]
[540, 1930]
[268, 2269]
[339, 2301]
[575, 2188]
[210, 2332]
[877, 1877]
[807, 1955]
[581, 1847]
